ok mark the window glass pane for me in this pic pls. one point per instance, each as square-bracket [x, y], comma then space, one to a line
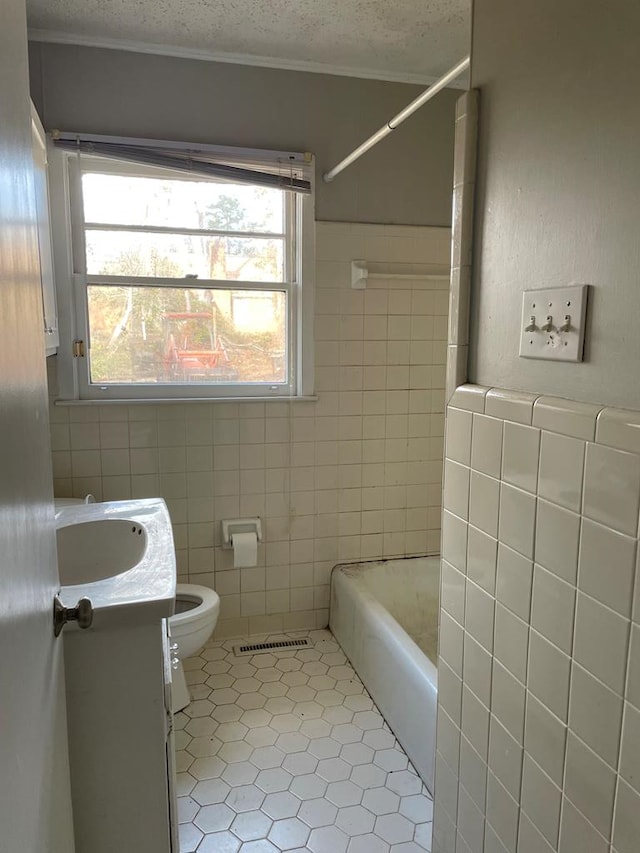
[151, 335]
[130, 200]
[129, 253]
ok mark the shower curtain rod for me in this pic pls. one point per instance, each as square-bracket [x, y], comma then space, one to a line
[454, 72]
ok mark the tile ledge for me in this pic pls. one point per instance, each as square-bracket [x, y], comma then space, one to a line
[469, 397]
[619, 428]
[516, 406]
[567, 417]
[607, 425]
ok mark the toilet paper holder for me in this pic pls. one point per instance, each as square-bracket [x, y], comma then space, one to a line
[239, 525]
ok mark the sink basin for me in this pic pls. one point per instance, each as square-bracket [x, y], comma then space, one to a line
[93, 550]
[120, 554]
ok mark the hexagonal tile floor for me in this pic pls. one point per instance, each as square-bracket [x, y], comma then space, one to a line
[285, 751]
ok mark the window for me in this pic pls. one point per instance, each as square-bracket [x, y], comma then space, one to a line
[188, 284]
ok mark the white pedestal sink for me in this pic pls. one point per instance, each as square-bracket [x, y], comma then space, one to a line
[91, 551]
[120, 555]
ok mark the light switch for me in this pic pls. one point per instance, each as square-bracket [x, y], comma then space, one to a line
[552, 323]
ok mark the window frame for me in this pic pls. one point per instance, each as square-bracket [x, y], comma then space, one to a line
[68, 229]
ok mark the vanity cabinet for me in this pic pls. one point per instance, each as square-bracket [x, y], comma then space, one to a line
[120, 556]
[120, 737]
[41, 186]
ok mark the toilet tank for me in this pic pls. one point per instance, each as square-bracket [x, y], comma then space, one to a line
[60, 504]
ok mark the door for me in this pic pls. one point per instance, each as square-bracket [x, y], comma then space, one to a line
[35, 804]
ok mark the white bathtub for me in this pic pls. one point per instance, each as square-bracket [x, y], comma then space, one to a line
[385, 617]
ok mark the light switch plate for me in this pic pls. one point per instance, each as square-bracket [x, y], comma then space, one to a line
[545, 331]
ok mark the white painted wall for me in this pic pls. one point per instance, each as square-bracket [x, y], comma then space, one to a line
[35, 806]
[538, 699]
[558, 188]
[406, 180]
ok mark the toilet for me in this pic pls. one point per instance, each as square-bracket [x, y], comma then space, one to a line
[196, 615]
[60, 504]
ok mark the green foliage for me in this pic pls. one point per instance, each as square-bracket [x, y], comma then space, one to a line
[227, 214]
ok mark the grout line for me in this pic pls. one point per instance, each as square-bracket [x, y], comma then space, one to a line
[625, 705]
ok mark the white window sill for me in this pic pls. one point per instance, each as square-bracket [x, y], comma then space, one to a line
[157, 401]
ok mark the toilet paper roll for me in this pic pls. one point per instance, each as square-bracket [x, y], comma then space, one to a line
[245, 550]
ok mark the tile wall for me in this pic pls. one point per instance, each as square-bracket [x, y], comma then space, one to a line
[464, 178]
[538, 745]
[355, 475]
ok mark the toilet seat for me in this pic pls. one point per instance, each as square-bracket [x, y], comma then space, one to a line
[205, 602]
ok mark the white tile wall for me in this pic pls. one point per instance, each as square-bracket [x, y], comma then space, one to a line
[355, 475]
[464, 176]
[539, 674]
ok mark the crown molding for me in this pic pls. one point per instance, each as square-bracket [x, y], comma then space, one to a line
[58, 37]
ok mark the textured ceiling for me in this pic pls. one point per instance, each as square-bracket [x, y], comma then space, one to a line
[389, 39]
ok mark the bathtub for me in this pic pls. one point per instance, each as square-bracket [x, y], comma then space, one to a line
[385, 616]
